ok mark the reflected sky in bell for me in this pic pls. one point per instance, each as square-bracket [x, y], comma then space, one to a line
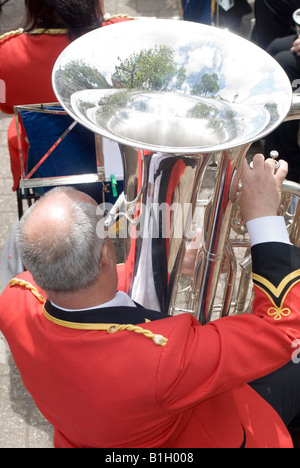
[246, 74]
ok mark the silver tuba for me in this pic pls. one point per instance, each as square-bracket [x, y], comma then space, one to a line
[185, 102]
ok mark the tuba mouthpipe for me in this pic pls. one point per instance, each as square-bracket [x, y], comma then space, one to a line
[216, 234]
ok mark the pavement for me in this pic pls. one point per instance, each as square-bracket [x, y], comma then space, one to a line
[21, 424]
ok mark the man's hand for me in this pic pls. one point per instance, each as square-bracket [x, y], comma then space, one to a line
[188, 266]
[261, 187]
[296, 47]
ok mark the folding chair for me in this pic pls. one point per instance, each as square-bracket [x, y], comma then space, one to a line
[63, 152]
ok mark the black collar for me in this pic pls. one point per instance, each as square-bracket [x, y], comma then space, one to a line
[119, 315]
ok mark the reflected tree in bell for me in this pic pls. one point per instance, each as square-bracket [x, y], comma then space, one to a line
[151, 69]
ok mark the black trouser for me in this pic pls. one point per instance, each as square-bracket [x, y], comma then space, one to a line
[281, 390]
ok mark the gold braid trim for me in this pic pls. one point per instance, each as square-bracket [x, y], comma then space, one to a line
[51, 32]
[158, 339]
[17, 32]
[109, 17]
[111, 328]
[27, 285]
[277, 291]
[277, 311]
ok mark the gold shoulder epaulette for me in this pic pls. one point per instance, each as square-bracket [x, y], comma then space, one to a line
[109, 17]
[27, 285]
[110, 328]
[51, 31]
[37, 31]
[16, 32]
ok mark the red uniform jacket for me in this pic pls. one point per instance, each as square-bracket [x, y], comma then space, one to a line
[126, 387]
[26, 64]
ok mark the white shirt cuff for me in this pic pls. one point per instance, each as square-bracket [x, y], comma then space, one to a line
[268, 229]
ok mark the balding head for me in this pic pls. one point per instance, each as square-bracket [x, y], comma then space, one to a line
[58, 243]
[53, 216]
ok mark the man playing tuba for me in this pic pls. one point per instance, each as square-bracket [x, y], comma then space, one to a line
[107, 372]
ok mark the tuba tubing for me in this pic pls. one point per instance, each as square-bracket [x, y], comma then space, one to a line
[201, 297]
[207, 271]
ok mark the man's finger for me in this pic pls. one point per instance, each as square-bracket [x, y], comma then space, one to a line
[282, 170]
[271, 165]
[258, 161]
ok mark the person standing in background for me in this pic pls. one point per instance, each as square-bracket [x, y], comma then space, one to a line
[27, 56]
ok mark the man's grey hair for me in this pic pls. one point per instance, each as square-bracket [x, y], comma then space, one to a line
[63, 263]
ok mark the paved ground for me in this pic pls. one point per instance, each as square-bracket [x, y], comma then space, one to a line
[21, 425]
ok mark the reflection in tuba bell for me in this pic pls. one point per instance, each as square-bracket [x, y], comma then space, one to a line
[185, 102]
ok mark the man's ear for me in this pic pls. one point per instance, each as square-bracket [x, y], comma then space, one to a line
[107, 257]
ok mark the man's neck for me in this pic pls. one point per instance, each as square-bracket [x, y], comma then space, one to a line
[121, 299]
[83, 299]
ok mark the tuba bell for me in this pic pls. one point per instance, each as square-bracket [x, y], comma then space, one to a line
[185, 102]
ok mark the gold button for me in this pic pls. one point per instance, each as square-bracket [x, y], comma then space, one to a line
[158, 339]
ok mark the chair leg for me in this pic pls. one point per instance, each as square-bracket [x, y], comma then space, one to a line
[20, 203]
[29, 196]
